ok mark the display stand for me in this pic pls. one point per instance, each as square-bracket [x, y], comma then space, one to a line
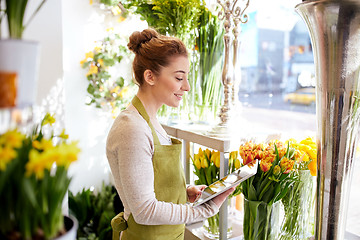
[197, 134]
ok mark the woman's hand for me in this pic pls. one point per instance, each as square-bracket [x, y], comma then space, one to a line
[194, 191]
[219, 200]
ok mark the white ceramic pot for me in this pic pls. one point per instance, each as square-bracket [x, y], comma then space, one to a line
[21, 57]
[71, 226]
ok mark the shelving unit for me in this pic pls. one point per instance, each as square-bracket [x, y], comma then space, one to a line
[198, 134]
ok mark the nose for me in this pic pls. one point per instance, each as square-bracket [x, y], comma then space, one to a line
[185, 86]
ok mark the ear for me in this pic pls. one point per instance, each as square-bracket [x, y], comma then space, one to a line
[149, 77]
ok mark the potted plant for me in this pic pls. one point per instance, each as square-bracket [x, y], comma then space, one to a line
[17, 55]
[34, 181]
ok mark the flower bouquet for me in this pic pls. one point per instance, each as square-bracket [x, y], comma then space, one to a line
[207, 169]
[269, 185]
[107, 89]
[34, 181]
[299, 202]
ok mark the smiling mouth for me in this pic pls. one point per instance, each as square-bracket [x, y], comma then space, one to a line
[179, 96]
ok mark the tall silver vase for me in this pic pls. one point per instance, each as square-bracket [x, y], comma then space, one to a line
[334, 26]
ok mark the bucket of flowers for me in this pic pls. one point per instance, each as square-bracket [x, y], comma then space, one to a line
[34, 181]
[263, 191]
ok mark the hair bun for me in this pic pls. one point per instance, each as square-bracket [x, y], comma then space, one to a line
[138, 38]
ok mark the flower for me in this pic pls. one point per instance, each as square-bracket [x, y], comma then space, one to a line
[33, 176]
[273, 178]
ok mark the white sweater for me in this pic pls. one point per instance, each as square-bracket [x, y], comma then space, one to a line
[129, 150]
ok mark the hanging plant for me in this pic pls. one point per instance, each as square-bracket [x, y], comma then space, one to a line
[107, 88]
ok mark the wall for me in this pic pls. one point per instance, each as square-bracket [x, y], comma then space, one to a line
[83, 24]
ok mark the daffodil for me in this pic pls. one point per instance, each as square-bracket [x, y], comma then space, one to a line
[68, 153]
[48, 119]
[92, 70]
[7, 154]
[63, 135]
[12, 138]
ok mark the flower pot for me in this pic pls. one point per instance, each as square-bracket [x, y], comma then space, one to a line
[71, 226]
[22, 58]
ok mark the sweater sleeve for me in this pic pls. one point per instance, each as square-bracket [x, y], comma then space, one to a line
[130, 150]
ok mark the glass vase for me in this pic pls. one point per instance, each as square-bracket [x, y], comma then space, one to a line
[299, 209]
[261, 220]
[211, 227]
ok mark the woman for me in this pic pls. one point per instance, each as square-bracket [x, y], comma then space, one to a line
[144, 161]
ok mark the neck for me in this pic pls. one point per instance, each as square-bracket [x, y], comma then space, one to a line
[150, 104]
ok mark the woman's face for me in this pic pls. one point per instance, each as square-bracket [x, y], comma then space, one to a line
[172, 81]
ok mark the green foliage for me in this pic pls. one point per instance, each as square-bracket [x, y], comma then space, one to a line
[94, 212]
[210, 47]
[15, 10]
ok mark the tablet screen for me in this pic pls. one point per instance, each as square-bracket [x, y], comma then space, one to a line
[227, 182]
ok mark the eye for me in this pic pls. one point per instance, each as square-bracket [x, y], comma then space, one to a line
[180, 79]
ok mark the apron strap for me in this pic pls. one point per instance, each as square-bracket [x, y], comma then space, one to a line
[141, 109]
[118, 224]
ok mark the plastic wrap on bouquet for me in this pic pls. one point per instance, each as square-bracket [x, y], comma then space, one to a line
[334, 27]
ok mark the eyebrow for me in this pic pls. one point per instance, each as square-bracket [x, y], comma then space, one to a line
[181, 71]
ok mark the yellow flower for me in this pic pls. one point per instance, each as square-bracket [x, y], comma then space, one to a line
[312, 167]
[37, 163]
[6, 155]
[207, 152]
[83, 61]
[93, 70]
[63, 135]
[12, 139]
[200, 153]
[115, 10]
[197, 162]
[124, 92]
[44, 144]
[89, 55]
[48, 119]
[110, 29]
[101, 62]
[204, 162]
[237, 163]
[90, 2]
[97, 49]
[115, 89]
[69, 153]
[217, 160]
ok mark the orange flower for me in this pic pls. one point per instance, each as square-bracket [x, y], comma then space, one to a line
[265, 166]
[248, 158]
[312, 167]
[286, 165]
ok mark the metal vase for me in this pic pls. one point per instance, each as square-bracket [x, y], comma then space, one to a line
[334, 27]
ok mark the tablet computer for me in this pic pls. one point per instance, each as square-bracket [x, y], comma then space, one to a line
[227, 182]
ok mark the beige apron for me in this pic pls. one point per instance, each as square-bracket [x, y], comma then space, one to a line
[169, 185]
